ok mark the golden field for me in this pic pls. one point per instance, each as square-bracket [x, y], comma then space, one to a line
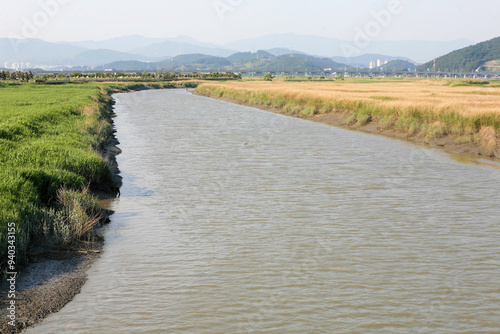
[466, 111]
[435, 95]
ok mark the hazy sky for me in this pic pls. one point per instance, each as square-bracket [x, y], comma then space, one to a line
[223, 21]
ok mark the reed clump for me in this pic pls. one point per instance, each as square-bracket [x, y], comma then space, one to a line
[77, 215]
[489, 142]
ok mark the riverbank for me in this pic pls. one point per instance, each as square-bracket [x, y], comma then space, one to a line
[462, 117]
[51, 265]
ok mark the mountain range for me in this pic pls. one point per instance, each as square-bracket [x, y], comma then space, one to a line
[260, 61]
[37, 53]
[419, 51]
[484, 55]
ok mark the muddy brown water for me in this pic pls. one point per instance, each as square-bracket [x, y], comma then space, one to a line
[237, 220]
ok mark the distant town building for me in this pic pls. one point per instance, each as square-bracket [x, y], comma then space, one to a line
[377, 63]
[17, 66]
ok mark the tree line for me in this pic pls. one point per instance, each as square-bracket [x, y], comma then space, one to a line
[27, 76]
[18, 76]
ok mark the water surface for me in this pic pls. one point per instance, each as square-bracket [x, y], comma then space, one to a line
[236, 220]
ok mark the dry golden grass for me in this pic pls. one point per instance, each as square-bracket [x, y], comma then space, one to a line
[489, 142]
[430, 95]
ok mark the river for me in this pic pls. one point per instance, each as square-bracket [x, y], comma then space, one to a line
[236, 220]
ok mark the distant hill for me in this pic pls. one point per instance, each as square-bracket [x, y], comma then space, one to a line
[284, 51]
[211, 60]
[185, 59]
[310, 43]
[189, 63]
[192, 41]
[121, 44]
[101, 56]
[129, 43]
[36, 51]
[398, 65]
[416, 50]
[468, 59]
[194, 63]
[244, 56]
[201, 62]
[291, 63]
[208, 63]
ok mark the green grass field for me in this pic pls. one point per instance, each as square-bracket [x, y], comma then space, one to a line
[51, 137]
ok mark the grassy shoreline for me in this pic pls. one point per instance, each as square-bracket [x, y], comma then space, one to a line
[57, 163]
[54, 160]
[50, 139]
[439, 113]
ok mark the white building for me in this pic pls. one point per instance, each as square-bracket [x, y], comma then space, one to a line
[378, 63]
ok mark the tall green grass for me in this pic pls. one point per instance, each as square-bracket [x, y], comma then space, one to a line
[51, 138]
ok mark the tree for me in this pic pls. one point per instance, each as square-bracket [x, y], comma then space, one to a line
[268, 77]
